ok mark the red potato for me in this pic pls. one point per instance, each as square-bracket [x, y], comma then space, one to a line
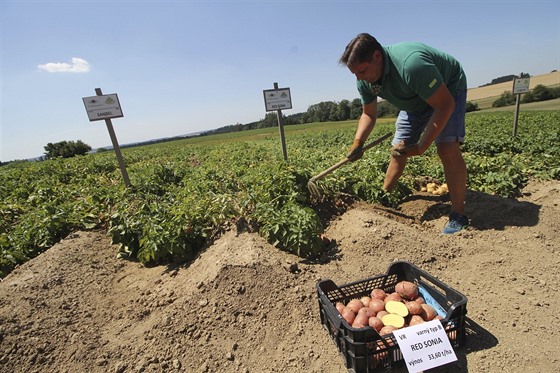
[378, 294]
[388, 340]
[365, 300]
[428, 312]
[393, 297]
[348, 315]
[415, 320]
[380, 345]
[375, 323]
[361, 321]
[452, 335]
[419, 300]
[379, 356]
[387, 329]
[381, 313]
[377, 305]
[367, 311]
[339, 307]
[355, 305]
[407, 290]
[414, 308]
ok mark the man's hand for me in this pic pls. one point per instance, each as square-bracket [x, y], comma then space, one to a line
[403, 150]
[355, 152]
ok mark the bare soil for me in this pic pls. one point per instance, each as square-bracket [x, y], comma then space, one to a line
[245, 306]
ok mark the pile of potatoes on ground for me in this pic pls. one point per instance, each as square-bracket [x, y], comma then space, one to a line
[434, 188]
[388, 312]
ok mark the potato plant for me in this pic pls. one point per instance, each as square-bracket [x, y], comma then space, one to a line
[185, 192]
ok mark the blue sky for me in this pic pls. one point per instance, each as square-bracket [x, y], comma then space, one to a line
[180, 67]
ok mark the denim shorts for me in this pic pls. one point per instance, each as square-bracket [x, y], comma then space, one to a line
[410, 125]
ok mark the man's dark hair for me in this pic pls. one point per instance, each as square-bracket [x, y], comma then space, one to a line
[360, 49]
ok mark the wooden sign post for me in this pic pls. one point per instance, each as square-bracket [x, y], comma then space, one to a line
[106, 107]
[520, 85]
[278, 99]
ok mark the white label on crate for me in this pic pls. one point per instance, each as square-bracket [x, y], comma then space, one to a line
[425, 346]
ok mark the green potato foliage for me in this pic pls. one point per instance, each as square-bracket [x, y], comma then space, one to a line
[185, 193]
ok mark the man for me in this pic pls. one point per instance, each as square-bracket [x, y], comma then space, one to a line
[430, 89]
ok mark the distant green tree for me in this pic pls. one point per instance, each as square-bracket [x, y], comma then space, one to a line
[321, 112]
[541, 93]
[528, 97]
[386, 109]
[506, 99]
[298, 118]
[270, 120]
[333, 113]
[355, 109]
[471, 106]
[66, 149]
[343, 110]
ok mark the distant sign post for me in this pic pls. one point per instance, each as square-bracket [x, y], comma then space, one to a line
[105, 107]
[278, 99]
[520, 85]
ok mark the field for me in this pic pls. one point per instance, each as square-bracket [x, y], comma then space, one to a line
[221, 248]
[485, 96]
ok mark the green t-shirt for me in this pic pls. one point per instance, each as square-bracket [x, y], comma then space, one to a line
[412, 73]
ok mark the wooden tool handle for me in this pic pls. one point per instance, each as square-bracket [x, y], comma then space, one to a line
[346, 160]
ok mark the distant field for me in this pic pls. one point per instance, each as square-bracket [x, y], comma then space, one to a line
[493, 90]
[485, 96]
[532, 106]
[262, 133]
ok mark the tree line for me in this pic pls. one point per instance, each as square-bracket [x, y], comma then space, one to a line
[506, 78]
[325, 111]
[539, 93]
[66, 149]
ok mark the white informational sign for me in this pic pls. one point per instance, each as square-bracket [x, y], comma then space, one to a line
[103, 107]
[425, 346]
[520, 85]
[277, 99]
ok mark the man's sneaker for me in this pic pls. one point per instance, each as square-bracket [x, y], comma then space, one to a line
[456, 223]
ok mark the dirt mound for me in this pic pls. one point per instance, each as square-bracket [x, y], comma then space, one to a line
[244, 306]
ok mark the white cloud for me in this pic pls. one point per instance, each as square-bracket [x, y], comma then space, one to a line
[78, 65]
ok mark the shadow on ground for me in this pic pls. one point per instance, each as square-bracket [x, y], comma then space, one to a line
[485, 211]
[477, 339]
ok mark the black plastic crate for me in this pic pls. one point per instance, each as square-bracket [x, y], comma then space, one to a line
[363, 349]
